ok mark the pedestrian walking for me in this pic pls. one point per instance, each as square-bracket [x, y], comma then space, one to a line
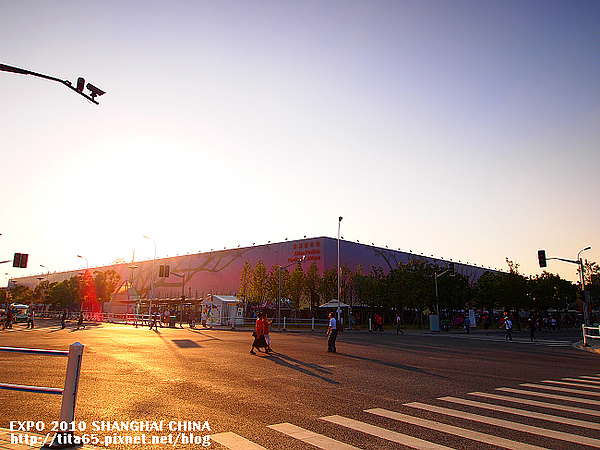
[508, 325]
[378, 322]
[30, 316]
[80, 323]
[63, 319]
[259, 336]
[531, 326]
[9, 318]
[331, 334]
[486, 325]
[399, 324]
[467, 324]
[266, 325]
[154, 322]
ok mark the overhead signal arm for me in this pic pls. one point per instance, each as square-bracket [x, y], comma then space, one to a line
[94, 91]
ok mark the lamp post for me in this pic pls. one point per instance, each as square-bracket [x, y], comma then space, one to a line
[152, 286]
[586, 317]
[87, 264]
[132, 267]
[182, 276]
[339, 269]
[281, 268]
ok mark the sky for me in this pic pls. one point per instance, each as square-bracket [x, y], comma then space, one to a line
[460, 129]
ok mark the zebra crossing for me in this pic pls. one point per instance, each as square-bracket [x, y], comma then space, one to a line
[500, 337]
[534, 403]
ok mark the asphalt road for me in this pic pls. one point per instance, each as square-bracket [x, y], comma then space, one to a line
[209, 377]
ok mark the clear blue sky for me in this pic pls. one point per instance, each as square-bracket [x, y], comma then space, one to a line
[465, 130]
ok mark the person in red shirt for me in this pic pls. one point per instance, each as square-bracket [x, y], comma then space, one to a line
[259, 335]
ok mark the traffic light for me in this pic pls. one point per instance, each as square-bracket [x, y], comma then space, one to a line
[20, 260]
[542, 258]
[80, 84]
[163, 270]
[451, 269]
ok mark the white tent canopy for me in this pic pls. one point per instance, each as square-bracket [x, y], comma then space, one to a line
[334, 304]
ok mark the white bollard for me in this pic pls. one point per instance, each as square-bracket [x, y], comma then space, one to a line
[67, 409]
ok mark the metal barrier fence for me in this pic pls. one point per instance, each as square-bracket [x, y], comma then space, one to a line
[590, 333]
[69, 393]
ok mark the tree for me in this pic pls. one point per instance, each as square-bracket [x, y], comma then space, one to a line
[245, 281]
[105, 284]
[295, 286]
[64, 294]
[311, 285]
[21, 294]
[258, 286]
[328, 285]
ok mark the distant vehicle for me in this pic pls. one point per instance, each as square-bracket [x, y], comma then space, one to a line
[20, 312]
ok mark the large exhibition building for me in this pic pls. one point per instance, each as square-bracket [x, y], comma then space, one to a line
[218, 272]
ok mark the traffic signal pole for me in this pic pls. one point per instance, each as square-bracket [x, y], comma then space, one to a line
[94, 91]
[542, 260]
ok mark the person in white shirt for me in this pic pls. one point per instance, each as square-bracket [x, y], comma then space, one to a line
[508, 325]
[331, 333]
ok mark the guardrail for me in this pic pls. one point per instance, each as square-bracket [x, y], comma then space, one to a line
[145, 320]
[595, 333]
[69, 393]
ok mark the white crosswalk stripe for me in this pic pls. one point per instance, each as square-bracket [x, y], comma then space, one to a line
[492, 404]
[524, 413]
[569, 437]
[568, 383]
[383, 433]
[318, 440]
[450, 429]
[560, 389]
[551, 396]
[524, 401]
[235, 442]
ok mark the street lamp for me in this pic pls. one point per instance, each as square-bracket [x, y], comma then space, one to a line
[132, 267]
[87, 264]
[339, 269]
[582, 278]
[152, 287]
[281, 268]
[182, 276]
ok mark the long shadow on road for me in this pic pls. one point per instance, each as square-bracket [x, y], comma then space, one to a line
[313, 370]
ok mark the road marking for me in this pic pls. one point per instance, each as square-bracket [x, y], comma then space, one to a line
[590, 378]
[456, 431]
[560, 389]
[318, 440]
[552, 396]
[388, 435]
[510, 425]
[524, 401]
[582, 381]
[235, 442]
[566, 383]
[524, 413]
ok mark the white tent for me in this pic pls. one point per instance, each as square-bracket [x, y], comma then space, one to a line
[222, 310]
[334, 304]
